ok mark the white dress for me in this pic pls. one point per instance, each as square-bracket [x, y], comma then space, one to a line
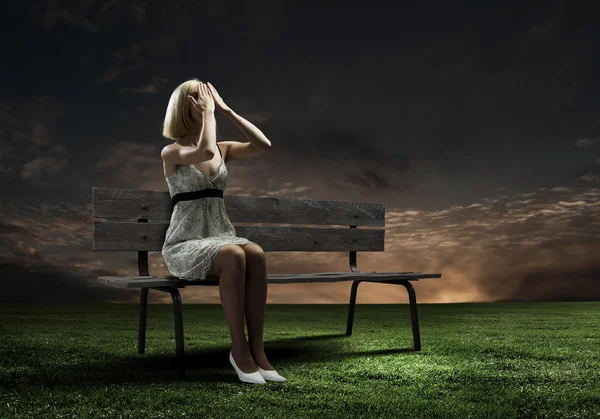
[199, 227]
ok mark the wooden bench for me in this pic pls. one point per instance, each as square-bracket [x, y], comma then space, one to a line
[134, 208]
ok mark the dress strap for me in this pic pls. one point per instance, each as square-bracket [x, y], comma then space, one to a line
[219, 150]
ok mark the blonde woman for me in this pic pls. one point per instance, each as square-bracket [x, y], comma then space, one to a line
[201, 241]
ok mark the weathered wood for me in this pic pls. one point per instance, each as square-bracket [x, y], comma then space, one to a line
[113, 235]
[156, 205]
[170, 281]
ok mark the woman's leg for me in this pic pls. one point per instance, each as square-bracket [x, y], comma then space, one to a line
[230, 265]
[256, 302]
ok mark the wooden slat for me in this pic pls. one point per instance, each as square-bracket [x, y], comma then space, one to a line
[156, 205]
[113, 235]
[149, 281]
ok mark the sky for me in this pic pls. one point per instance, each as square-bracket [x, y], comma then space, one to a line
[475, 123]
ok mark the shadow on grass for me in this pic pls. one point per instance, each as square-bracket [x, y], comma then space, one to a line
[283, 351]
[204, 365]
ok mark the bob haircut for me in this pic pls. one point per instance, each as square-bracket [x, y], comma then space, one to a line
[178, 118]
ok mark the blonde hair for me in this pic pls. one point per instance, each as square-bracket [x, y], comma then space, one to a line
[178, 118]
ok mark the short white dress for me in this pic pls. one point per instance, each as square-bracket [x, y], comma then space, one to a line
[199, 222]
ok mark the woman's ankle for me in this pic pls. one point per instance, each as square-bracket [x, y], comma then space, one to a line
[240, 348]
[257, 349]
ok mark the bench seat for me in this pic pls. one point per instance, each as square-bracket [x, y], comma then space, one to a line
[172, 281]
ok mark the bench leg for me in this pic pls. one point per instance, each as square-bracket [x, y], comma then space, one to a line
[351, 307]
[178, 317]
[142, 326]
[414, 316]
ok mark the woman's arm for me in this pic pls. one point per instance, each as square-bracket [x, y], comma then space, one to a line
[252, 133]
[208, 133]
[257, 139]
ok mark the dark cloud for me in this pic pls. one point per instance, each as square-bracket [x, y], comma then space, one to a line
[369, 178]
[38, 283]
[589, 175]
[581, 283]
[586, 142]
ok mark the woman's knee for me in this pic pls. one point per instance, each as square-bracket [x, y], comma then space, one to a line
[233, 257]
[229, 257]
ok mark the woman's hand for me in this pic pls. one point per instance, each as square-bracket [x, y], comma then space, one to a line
[218, 99]
[201, 101]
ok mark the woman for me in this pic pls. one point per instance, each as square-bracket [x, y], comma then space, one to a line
[201, 241]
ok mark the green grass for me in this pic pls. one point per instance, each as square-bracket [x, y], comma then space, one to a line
[498, 360]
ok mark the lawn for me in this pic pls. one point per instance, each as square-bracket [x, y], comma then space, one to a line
[501, 360]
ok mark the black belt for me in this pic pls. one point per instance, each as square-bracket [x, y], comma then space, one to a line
[204, 193]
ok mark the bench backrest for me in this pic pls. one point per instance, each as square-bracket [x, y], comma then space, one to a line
[144, 216]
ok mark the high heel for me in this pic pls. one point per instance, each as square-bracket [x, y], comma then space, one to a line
[253, 377]
[270, 375]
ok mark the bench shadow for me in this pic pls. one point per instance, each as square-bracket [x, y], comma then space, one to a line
[202, 365]
[285, 352]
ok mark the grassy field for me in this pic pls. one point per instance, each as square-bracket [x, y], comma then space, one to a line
[502, 360]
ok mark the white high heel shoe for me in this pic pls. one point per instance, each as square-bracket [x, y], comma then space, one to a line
[270, 375]
[254, 377]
